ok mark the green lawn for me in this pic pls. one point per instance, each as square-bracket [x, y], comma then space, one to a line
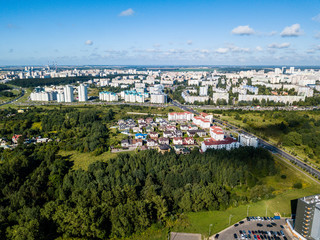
[83, 160]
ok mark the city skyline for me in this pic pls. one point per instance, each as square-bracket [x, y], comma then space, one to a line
[160, 33]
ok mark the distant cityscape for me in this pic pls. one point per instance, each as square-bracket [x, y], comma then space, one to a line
[281, 85]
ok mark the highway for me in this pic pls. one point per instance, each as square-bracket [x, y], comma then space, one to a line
[273, 149]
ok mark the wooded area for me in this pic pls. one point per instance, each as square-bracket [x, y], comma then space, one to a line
[42, 198]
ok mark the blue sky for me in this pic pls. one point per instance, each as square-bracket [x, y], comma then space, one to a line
[156, 32]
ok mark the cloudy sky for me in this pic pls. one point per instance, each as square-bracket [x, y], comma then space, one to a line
[166, 32]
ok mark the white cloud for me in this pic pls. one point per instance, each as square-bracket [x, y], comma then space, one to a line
[89, 42]
[222, 50]
[204, 51]
[189, 42]
[128, 12]
[243, 30]
[279, 45]
[234, 48]
[258, 48]
[272, 33]
[317, 35]
[316, 18]
[291, 31]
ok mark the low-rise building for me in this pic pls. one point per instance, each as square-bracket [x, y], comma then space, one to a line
[177, 141]
[228, 144]
[246, 140]
[216, 133]
[151, 142]
[164, 148]
[163, 140]
[180, 116]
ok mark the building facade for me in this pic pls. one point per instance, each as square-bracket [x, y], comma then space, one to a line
[68, 93]
[306, 215]
[83, 93]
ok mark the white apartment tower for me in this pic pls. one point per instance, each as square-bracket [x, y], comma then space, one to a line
[203, 91]
[68, 93]
[83, 93]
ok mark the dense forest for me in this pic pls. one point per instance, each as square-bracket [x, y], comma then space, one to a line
[43, 198]
[82, 130]
[4, 91]
[35, 82]
[4, 87]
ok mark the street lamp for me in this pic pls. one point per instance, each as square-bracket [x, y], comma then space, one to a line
[210, 229]
[267, 211]
[248, 210]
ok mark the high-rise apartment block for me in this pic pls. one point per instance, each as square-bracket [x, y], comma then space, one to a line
[306, 217]
[68, 93]
[82, 93]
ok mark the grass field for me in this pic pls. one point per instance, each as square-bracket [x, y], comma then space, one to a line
[83, 160]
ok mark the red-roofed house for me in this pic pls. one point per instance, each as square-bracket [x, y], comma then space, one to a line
[177, 141]
[216, 133]
[228, 143]
[154, 135]
[207, 116]
[188, 141]
[201, 122]
[15, 138]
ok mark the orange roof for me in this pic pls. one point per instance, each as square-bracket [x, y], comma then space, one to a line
[216, 130]
[212, 141]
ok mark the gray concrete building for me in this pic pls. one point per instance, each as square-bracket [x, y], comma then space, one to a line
[306, 215]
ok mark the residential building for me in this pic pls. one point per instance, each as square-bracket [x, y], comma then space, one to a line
[201, 122]
[151, 143]
[158, 98]
[306, 217]
[177, 141]
[246, 140]
[216, 133]
[228, 144]
[68, 93]
[163, 140]
[180, 116]
[275, 98]
[141, 136]
[60, 97]
[220, 96]
[108, 96]
[203, 91]
[188, 141]
[164, 148]
[83, 93]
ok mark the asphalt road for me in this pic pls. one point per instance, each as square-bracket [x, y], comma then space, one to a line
[262, 143]
[20, 96]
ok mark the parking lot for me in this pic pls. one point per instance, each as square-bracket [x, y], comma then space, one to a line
[256, 228]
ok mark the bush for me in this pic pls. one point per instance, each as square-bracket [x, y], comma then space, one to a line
[297, 185]
[283, 176]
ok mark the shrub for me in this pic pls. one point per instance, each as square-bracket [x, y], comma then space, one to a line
[297, 185]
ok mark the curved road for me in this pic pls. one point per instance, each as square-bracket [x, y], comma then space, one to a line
[20, 96]
[262, 143]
